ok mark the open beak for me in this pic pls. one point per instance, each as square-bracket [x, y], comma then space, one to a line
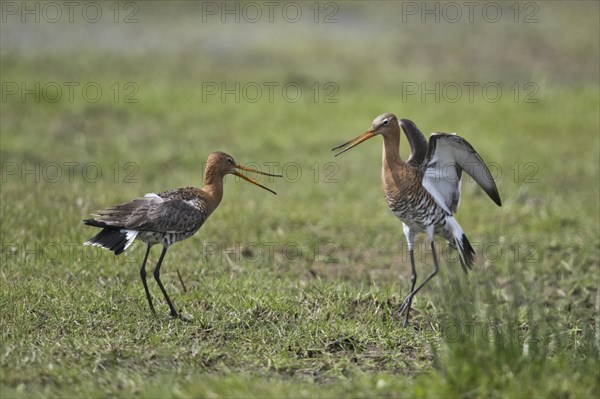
[254, 181]
[354, 142]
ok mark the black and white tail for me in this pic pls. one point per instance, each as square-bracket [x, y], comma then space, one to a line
[466, 254]
[115, 239]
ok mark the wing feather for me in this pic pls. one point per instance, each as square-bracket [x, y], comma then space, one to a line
[153, 213]
[448, 155]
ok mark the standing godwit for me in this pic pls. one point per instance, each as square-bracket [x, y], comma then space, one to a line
[424, 192]
[167, 217]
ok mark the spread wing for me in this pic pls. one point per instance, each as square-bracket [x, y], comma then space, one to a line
[153, 213]
[448, 155]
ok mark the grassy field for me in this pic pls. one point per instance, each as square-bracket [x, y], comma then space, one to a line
[292, 295]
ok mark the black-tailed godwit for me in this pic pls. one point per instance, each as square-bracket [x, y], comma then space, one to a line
[424, 192]
[166, 217]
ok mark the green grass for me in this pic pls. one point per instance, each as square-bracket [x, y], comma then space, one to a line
[292, 296]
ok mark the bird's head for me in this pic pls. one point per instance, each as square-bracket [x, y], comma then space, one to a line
[220, 164]
[384, 124]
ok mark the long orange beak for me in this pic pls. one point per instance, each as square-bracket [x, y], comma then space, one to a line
[354, 142]
[254, 181]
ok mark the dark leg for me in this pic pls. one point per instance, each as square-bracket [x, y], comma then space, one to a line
[162, 288]
[143, 275]
[406, 304]
[413, 280]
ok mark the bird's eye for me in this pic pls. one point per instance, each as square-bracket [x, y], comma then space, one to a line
[386, 122]
[230, 161]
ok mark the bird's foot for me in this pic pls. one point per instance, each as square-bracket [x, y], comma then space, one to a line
[185, 319]
[405, 305]
[152, 309]
[175, 315]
